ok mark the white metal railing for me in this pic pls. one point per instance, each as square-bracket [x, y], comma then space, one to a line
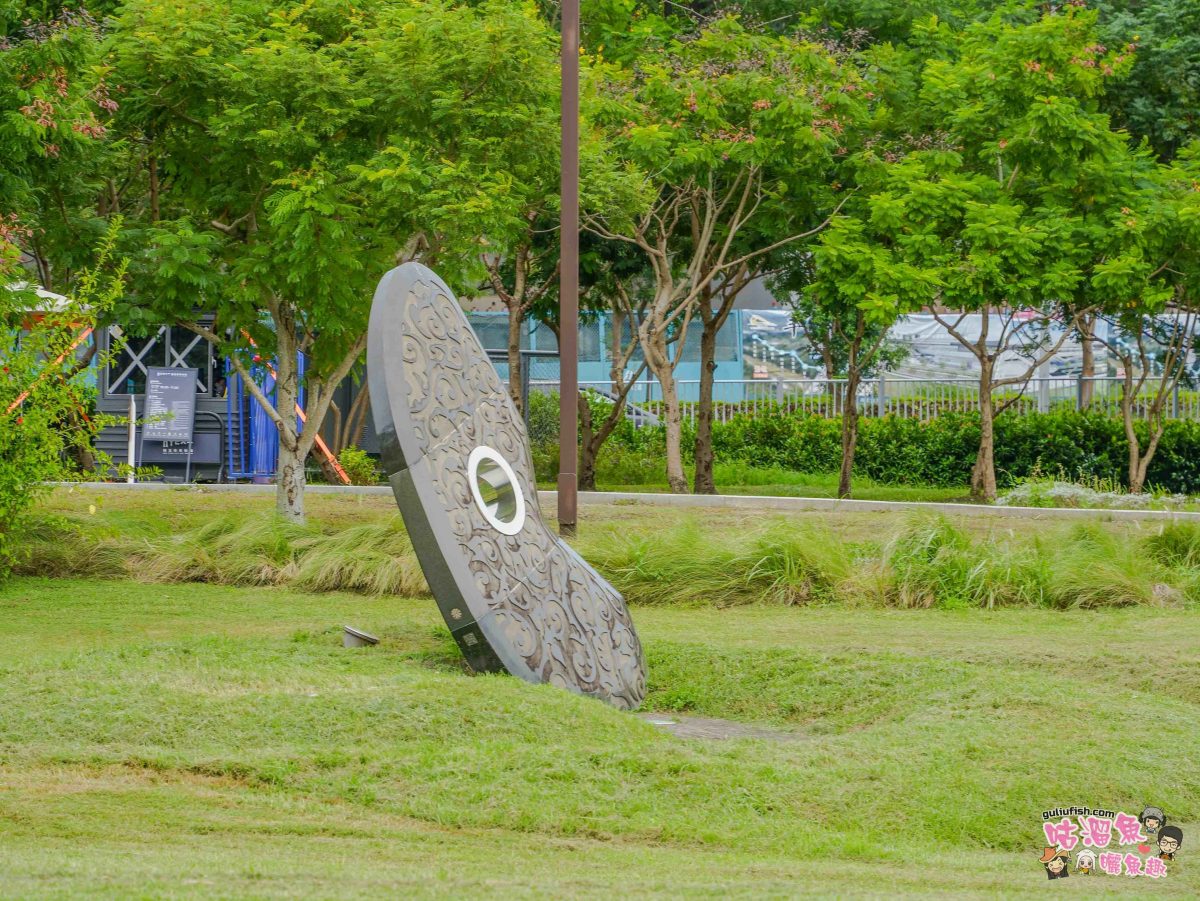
[909, 398]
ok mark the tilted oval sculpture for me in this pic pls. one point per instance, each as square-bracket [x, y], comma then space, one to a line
[515, 596]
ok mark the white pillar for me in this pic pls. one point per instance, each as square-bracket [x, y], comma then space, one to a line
[131, 453]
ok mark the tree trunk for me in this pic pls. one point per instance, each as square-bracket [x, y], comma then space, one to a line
[1135, 473]
[357, 417]
[849, 432]
[289, 479]
[327, 471]
[658, 358]
[289, 482]
[659, 361]
[587, 470]
[828, 361]
[983, 476]
[152, 165]
[1143, 465]
[514, 357]
[676, 479]
[588, 446]
[80, 452]
[1087, 369]
[704, 482]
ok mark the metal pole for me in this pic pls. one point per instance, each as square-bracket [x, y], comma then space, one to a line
[131, 450]
[568, 318]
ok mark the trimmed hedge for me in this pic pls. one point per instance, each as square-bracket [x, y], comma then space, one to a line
[942, 451]
[937, 452]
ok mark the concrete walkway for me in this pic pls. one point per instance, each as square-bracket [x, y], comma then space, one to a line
[703, 501]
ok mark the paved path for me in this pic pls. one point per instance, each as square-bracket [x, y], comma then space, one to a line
[713, 729]
[706, 501]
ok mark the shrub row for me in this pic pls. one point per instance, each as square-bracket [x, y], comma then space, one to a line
[902, 451]
[941, 451]
[925, 562]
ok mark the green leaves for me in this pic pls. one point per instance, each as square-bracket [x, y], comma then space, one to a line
[303, 146]
[728, 99]
[1159, 97]
[44, 385]
[1035, 202]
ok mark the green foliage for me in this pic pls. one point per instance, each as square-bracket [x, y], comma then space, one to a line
[659, 558]
[44, 392]
[691, 564]
[359, 466]
[226, 733]
[257, 112]
[57, 108]
[1160, 96]
[541, 417]
[907, 451]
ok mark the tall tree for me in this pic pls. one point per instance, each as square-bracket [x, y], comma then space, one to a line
[863, 283]
[725, 128]
[1154, 345]
[522, 280]
[1011, 219]
[298, 151]
[1149, 283]
[618, 285]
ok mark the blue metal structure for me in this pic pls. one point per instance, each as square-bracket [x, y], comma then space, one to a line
[254, 457]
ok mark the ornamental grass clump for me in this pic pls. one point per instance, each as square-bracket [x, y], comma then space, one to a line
[231, 549]
[688, 564]
[665, 559]
[1093, 567]
[56, 548]
[934, 563]
[372, 559]
[1176, 544]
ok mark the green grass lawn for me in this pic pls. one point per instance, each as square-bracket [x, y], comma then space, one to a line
[775, 481]
[209, 741]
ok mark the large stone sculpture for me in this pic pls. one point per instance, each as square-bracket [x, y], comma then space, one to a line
[454, 447]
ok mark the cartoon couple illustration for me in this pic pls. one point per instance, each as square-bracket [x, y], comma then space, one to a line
[1154, 821]
[1170, 838]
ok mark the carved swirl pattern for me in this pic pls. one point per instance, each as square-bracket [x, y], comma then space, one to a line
[569, 626]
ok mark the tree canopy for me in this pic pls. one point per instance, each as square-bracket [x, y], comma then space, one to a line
[269, 159]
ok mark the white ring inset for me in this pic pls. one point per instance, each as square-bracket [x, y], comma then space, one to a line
[504, 505]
